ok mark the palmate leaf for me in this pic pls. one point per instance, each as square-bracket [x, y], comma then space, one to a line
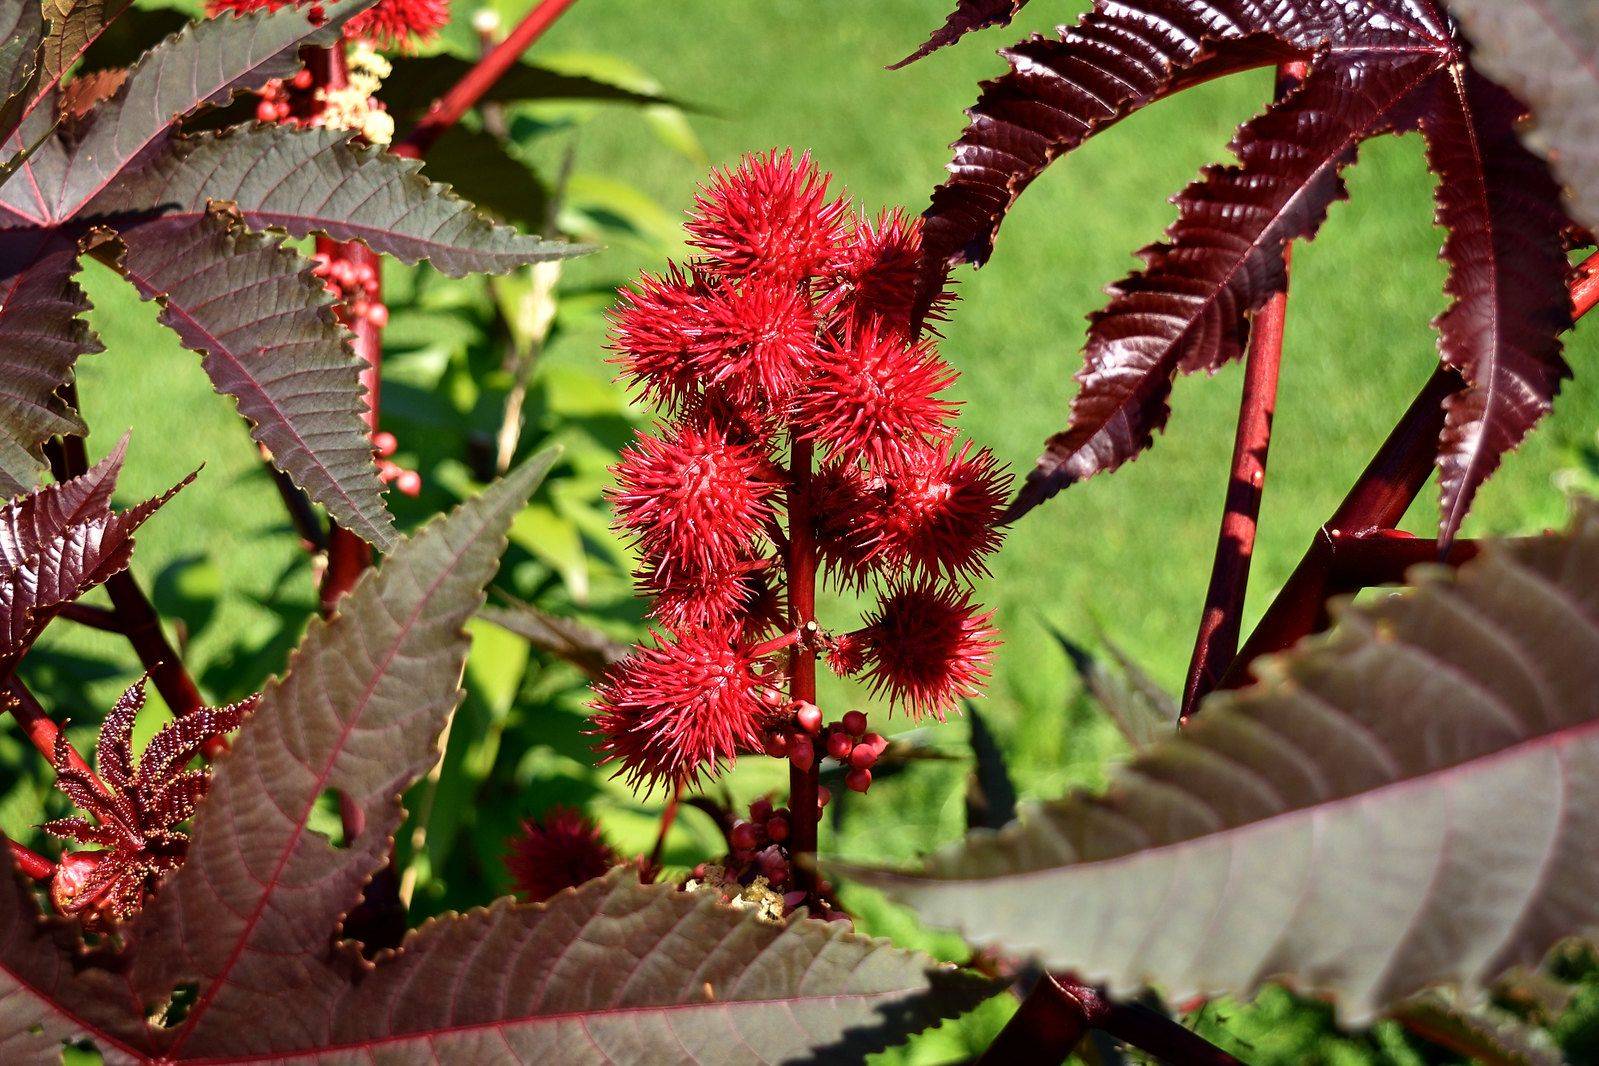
[1402, 67]
[1408, 801]
[58, 543]
[567, 639]
[21, 50]
[1186, 311]
[74, 25]
[265, 327]
[204, 64]
[611, 972]
[1548, 53]
[317, 181]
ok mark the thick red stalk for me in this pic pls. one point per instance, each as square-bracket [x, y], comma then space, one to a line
[1221, 622]
[668, 818]
[1059, 1012]
[449, 108]
[804, 786]
[42, 732]
[30, 862]
[1377, 501]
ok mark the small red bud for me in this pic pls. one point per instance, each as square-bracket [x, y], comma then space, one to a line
[777, 745]
[744, 837]
[839, 745]
[877, 742]
[777, 829]
[761, 810]
[266, 111]
[809, 716]
[378, 315]
[858, 779]
[862, 757]
[855, 723]
[316, 15]
[302, 80]
[409, 482]
[384, 444]
[801, 752]
[823, 794]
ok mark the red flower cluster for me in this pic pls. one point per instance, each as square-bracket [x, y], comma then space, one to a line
[791, 331]
[389, 24]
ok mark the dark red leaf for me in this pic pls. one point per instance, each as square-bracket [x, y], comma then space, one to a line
[1188, 309]
[968, 16]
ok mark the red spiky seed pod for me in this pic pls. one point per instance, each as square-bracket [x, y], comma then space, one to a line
[760, 340]
[656, 332]
[940, 509]
[928, 647]
[693, 498]
[676, 712]
[686, 598]
[563, 849]
[874, 394]
[880, 274]
[770, 216]
[838, 500]
[846, 654]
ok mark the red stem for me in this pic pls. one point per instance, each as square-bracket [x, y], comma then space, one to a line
[1060, 1011]
[42, 731]
[804, 786]
[30, 862]
[1378, 500]
[1222, 619]
[668, 817]
[449, 108]
[86, 614]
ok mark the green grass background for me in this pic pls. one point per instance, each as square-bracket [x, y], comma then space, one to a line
[1131, 550]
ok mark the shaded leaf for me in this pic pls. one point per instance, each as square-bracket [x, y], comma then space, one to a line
[202, 65]
[306, 181]
[21, 55]
[477, 165]
[41, 337]
[74, 26]
[1142, 711]
[417, 81]
[1548, 54]
[990, 793]
[567, 639]
[1408, 801]
[968, 16]
[1188, 309]
[266, 330]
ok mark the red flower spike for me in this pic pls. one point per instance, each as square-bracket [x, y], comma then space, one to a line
[673, 713]
[874, 394]
[561, 850]
[940, 509]
[390, 24]
[656, 333]
[760, 340]
[880, 274]
[771, 216]
[694, 499]
[928, 648]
